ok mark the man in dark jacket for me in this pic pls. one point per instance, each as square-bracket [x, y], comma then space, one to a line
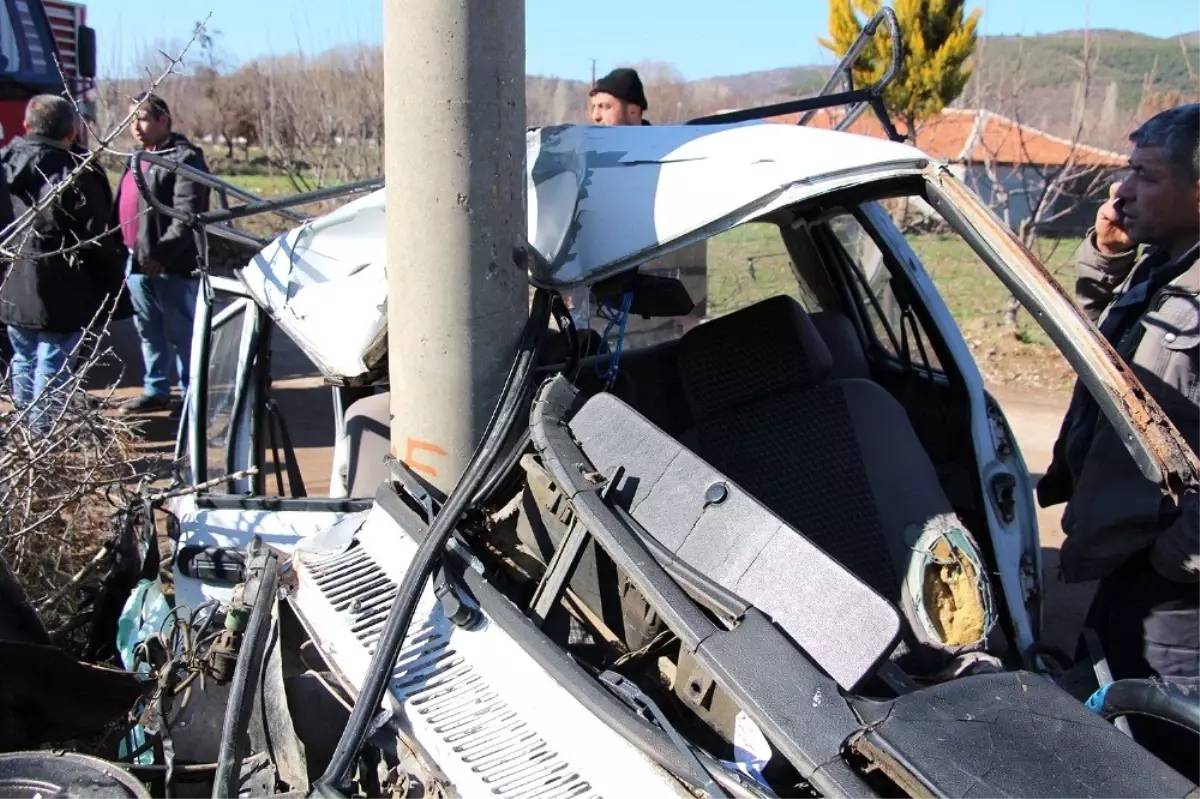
[162, 253]
[63, 275]
[619, 99]
[1143, 547]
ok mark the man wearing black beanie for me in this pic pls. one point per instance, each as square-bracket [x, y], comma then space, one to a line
[619, 99]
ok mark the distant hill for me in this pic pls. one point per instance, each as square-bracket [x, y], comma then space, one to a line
[1034, 78]
[552, 100]
[1046, 68]
[1122, 58]
[788, 82]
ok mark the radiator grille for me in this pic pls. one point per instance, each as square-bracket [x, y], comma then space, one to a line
[440, 687]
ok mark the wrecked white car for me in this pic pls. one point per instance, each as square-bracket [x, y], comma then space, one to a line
[791, 552]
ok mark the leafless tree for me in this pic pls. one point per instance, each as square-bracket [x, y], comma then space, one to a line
[63, 454]
[318, 119]
[1030, 189]
[1156, 100]
[555, 101]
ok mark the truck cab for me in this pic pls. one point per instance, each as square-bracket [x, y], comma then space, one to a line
[36, 38]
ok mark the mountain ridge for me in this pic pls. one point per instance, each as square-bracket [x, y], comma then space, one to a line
[1035, 78]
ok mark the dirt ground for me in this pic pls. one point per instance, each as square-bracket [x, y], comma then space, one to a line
[307, 406]
[306, 403]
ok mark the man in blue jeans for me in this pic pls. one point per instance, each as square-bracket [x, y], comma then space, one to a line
[162, 254]
[64, 275]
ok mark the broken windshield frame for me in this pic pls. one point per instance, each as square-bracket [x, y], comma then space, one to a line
[1160, 451]
[1158, 448]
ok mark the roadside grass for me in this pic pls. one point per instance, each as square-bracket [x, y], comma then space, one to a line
[748, 264]
[263, 185]
[266, 186]
[974, 294]
[745, 265]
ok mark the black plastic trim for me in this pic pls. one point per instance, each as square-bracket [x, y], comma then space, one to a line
[799, 708]
[277, 504]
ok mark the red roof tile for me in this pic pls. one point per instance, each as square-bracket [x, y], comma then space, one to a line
[969, 135]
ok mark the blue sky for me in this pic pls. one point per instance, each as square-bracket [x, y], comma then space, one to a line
[702, 38]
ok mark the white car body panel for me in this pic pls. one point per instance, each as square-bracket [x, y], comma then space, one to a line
[234, 528]
[478, 705]
[600, 200]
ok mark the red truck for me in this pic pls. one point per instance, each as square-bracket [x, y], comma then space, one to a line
[32, 34]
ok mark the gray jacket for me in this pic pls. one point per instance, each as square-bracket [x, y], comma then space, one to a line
[1113, 511]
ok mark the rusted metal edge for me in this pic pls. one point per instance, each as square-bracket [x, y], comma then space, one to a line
[1151, 437]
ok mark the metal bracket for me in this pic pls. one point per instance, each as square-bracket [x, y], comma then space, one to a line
[1104, 674]
[1003, 487]
[566, 557]
[858, 100]
[412, 486]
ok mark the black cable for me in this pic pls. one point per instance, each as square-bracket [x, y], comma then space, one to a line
[379, 672]
[566, 325]
[504, 467]
[245, 679]
[512, 454]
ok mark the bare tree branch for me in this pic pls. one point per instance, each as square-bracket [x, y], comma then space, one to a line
[1031, 189]
[64, 460]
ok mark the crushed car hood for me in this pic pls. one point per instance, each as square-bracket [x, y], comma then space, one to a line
[601, 200]
[325, 284]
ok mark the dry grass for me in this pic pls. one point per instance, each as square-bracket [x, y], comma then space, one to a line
[59, 487]
[748, 264]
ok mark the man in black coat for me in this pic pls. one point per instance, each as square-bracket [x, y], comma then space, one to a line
[619, 99]
[64, 273]
[162, 253]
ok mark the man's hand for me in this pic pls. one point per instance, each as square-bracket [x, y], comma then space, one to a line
[1111, 236]
[152, 268]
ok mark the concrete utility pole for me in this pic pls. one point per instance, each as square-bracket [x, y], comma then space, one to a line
[454, 115]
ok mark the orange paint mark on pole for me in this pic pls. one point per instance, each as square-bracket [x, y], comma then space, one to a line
[412, 447]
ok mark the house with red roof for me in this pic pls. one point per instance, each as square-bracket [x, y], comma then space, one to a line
[1019, 170]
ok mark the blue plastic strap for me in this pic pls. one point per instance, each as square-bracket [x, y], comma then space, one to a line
[616, 318]
[1095, 702]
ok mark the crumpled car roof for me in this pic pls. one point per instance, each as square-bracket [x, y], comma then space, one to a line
[602, 199]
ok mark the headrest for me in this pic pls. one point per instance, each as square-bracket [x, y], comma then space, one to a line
[769, 347]
[839, 335]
